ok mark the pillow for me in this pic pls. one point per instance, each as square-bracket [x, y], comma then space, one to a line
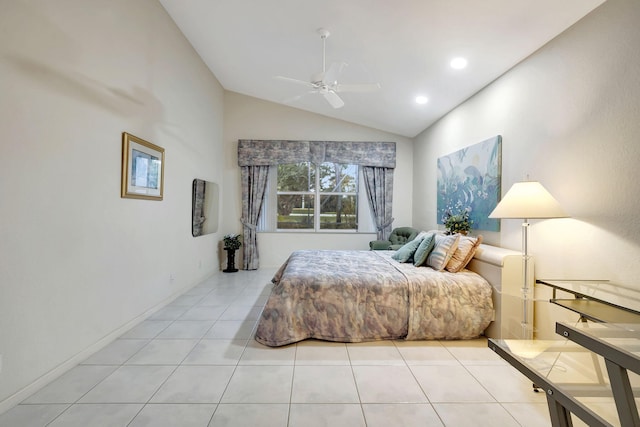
[405, 253]
[425, 248]
[464, 252]
[443, 251]
[421, 235]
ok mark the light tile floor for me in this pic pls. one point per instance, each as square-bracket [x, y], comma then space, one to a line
[194, 364]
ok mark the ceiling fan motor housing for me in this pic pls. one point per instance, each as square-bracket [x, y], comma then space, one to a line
[324, 33]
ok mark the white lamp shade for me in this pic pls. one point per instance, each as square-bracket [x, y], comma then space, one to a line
[526, 200]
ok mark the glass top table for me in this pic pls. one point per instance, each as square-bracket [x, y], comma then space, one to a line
[597, 300]
[592, 373]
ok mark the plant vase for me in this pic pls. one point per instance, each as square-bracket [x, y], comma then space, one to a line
[231, 261]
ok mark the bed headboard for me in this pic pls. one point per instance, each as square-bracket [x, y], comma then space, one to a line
[503, 270]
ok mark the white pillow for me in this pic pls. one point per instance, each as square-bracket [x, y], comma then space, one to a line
[443, 251]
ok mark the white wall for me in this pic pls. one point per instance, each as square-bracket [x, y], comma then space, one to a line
[570, 118]
[77, 262]
[251, 118]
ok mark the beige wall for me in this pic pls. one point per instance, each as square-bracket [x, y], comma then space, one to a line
[77, 262]
[569, 117]
[251, 118]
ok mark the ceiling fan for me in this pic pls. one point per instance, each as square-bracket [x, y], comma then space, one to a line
[326, 83]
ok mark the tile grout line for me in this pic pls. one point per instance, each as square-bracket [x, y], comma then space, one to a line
[235, 367]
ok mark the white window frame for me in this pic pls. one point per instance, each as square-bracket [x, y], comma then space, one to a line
[268, 220]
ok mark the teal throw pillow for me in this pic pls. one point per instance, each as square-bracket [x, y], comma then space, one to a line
[405, 253]
[425, 248]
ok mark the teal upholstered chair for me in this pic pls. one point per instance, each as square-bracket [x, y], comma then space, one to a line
[398, 237]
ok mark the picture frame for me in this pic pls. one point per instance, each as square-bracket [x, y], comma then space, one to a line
[142, 169]
[470, 180]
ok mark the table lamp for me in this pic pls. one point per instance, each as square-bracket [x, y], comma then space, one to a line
[527, 200]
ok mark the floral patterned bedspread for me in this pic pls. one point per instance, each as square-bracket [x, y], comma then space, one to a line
[354, 296]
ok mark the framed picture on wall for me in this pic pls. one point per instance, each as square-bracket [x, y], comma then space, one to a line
[469, 180]
[142, 169]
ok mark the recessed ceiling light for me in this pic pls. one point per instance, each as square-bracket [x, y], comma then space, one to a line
[458, 63]
[421, 99]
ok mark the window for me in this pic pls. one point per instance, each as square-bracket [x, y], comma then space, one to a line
[306, 196]
[295, 186]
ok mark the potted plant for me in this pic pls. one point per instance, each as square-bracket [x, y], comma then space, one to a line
[457, 223]
[231, 244]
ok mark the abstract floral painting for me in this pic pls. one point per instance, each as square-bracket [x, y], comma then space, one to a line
[470, 179]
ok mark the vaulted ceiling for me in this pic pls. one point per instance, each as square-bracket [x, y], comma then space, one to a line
[406, 46]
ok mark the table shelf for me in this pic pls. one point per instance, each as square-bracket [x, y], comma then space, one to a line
[598, 311]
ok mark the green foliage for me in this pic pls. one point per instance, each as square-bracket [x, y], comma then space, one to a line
[232, 241]
[296, 177]
[457, 223]
[333, 177]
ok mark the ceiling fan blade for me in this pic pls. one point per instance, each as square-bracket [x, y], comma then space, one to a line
[366, 87]
[333, 99]
[296, 81]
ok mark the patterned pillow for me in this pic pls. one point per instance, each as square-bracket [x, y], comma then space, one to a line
[464, 252]
[443, 251]
[405, 253]
[425, 248]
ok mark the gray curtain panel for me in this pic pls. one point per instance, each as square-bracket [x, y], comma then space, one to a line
[254, 184]
[379, 186]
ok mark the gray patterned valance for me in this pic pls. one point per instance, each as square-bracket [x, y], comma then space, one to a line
[252, 152]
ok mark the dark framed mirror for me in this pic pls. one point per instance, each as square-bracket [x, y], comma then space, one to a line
[204, 207]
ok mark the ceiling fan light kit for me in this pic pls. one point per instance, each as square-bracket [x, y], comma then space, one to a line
[326, 83]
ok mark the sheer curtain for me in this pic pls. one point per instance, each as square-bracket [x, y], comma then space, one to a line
[379, 186]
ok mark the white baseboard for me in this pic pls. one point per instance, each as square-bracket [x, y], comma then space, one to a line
[56, 372]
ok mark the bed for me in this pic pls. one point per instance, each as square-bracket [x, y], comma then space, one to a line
[355, 296]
